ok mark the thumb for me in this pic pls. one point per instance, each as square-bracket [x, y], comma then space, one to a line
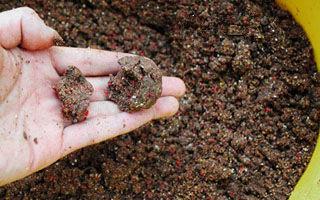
[24, 27]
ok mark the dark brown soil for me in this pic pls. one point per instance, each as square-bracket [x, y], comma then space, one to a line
[246, 128]
[74, 92]
[137, 85]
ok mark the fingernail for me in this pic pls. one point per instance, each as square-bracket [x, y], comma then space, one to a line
[58, 41]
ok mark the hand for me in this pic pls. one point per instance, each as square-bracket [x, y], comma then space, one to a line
[33, 133]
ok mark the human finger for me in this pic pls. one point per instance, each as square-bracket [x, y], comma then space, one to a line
[171, 86]
[91, 62]
[104, 127]
[23, 26]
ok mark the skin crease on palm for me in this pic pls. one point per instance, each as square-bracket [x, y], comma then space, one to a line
[33, 132]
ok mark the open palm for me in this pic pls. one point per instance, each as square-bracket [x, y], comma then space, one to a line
[33, 132]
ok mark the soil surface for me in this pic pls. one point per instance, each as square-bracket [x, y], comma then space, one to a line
[137, 85]
[74, 92]
[246, 127]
